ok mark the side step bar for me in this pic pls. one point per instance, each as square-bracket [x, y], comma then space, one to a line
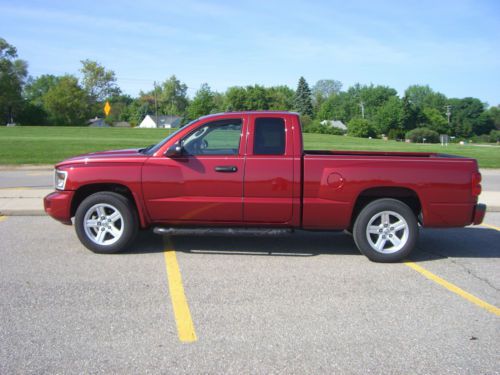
[222, 231]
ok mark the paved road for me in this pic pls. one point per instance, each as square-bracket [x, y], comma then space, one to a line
[307, 303]
[26, 178]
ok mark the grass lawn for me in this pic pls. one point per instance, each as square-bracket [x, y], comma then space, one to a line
[50, 144]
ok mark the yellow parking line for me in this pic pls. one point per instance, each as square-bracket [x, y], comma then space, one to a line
[185, 326]
[491, 226]
[2, 218]
[455, 289]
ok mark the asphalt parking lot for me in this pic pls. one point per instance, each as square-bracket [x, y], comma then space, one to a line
[307, 303]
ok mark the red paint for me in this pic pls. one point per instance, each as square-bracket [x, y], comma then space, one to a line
[309, 190]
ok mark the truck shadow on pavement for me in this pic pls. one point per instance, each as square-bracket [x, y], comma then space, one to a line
[433, 244]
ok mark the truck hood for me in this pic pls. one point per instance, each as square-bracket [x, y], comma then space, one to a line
[112, 156]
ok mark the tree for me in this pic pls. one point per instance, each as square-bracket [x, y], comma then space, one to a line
[360, 127]
[202, 104]
[424, 97]
[280, 98]
[327, 87]
[236, 99]
[172, 97]
[494, 113]
[13, 72]
[302, 102]
[434, 120]
[324, 89]
[410, 114]
[66, 102]
[36, 88]
[468, 117]
[390, 118]
[98, 82]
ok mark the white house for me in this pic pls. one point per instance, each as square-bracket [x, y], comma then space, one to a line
[334, 124]
[163, 121]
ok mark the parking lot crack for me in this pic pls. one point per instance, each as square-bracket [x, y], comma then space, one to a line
[464, 267]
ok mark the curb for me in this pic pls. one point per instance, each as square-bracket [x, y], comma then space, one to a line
[22, 213]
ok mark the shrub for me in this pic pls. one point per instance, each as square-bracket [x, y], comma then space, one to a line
[419, 134]
[359, 127]
[494, 136]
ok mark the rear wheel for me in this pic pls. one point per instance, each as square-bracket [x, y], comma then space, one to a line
[386, 230]
[106, 222]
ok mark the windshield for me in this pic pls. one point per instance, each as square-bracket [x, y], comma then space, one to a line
[152, 150]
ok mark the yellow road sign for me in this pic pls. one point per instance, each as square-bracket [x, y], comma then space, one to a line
[107, 108]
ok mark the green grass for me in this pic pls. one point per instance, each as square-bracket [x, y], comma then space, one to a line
[50, 144]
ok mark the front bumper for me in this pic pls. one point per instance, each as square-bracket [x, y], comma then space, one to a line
[479, 212]
[58, 205]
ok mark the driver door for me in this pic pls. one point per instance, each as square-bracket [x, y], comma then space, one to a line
[205, 183]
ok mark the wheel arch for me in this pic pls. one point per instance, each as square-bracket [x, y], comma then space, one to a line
[85, 191]
[403, 194]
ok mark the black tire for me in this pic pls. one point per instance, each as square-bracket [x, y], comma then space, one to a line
[395, 212]
[128, 222]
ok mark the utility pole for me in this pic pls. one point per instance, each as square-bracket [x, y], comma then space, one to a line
[448, 113]
[362, 105]
[156, 102]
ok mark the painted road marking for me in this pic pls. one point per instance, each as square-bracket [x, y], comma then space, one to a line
[185, 326]
[2, 218]
[455, 289]
[491, 226]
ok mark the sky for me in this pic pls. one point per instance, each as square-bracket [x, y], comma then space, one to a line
[453, 46]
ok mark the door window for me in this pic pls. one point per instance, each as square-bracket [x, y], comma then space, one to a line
[269, 138]
[215, 138]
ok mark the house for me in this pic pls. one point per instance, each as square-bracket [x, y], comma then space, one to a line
[97, 123]
[334, 124]
[163, 121]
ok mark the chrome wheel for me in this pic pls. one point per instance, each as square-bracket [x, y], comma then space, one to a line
[387, 232]
[103, 224]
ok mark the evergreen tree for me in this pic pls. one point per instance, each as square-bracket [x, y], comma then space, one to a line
[303, 102]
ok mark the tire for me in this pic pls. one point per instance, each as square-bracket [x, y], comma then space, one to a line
[386, 230]
[106, 222]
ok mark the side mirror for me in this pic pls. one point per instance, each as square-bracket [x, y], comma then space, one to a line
[174, 150]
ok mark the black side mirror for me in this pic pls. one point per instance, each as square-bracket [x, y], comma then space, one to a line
[174, 150]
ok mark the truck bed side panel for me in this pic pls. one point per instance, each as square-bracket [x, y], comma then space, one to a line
[332, 184]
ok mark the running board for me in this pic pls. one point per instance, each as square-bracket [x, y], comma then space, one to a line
[222, 231]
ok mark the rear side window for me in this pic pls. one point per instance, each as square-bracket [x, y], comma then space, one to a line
[269, 137]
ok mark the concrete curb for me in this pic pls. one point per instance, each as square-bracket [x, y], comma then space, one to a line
[22, 212]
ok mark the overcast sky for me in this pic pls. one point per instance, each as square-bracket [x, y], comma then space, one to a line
[454, 46]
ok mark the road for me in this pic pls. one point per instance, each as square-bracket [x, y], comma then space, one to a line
[307, 303]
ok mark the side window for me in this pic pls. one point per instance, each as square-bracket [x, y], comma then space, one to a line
[269, 137]
[215, 138]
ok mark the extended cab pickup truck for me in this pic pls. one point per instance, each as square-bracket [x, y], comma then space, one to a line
[247, 173]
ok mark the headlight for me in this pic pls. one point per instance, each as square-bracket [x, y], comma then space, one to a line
[60, 179]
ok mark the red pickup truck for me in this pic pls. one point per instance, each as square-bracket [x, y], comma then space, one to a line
[247, 173]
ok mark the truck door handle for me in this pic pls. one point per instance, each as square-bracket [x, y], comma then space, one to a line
[226, 169]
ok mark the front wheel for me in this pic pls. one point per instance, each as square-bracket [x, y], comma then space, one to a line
[386, 230]
[106, 222]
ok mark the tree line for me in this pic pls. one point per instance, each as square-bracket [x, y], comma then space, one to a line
[366, 110]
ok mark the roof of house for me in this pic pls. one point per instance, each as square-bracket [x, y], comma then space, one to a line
[334, 123]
